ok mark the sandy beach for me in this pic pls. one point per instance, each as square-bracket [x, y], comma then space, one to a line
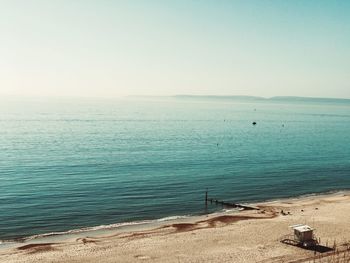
[247, 236]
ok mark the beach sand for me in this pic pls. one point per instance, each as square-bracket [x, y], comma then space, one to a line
[247, 236]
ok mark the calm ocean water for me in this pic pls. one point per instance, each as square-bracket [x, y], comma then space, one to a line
[68, 164]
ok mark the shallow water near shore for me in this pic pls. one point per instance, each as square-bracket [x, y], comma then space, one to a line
[114, 230]
[70, 164]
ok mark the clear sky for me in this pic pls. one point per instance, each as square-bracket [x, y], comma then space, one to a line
[108, 48]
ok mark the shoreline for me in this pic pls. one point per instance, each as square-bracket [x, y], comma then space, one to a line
[245, 236]
[145, 225]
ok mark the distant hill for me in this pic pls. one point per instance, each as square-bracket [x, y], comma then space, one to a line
[309, 99]
[214, 97]
[262, 99]
[284, 99]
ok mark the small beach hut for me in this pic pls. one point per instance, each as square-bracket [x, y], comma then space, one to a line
[304, 234]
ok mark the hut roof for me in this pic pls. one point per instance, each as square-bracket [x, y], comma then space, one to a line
[302, 228]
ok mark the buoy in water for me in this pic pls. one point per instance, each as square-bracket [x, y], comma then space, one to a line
[254, 123]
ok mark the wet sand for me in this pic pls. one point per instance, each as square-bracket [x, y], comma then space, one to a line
[247, 236]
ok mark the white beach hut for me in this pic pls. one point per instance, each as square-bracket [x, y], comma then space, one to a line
[304, 234]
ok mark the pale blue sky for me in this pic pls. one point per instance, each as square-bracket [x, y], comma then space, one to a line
[116, 48]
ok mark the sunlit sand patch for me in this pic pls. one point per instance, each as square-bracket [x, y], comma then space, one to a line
[142, 257]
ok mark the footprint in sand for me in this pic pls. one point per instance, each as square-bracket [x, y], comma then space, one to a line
[142, 257]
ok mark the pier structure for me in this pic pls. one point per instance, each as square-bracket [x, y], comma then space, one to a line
[227, 204]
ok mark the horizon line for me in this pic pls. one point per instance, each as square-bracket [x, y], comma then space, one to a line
[168, 96]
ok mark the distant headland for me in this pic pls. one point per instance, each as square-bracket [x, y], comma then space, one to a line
[292, 99]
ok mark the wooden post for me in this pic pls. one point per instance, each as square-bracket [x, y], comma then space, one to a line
[206, 197]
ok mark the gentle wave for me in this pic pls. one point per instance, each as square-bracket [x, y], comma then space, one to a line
[171, 218]
[94, 228]
[100, 227]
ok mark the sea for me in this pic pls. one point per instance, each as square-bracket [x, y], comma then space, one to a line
[68, 164]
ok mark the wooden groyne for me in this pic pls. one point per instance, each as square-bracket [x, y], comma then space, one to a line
[227, 204]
